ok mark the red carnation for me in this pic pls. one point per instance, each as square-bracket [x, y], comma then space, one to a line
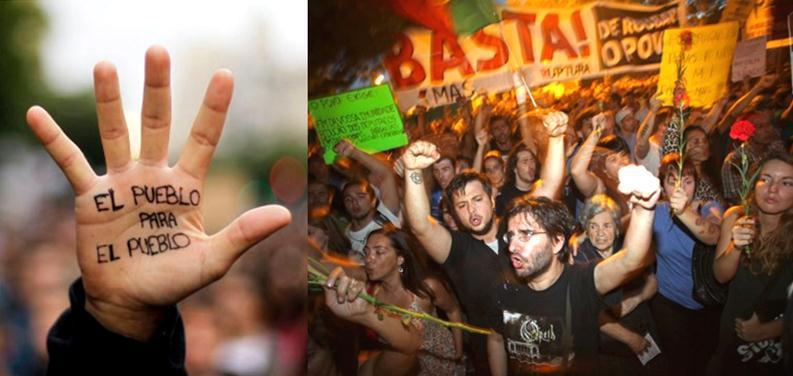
[686, 38]
[742, 130]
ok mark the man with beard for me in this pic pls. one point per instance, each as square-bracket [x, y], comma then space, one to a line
[522, 166]
[549, 323]
[470, 257]
[365, 211]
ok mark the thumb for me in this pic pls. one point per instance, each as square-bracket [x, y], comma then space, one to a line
[248, 229]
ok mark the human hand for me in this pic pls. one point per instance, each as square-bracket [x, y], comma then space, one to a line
[555, 123]
[420, 155]
[637, 343]
[679, 201]
[482, 137]
[141, 244]
[743, 231]
[399, 167]
[343, 299]
[645, 200]
[750, 330]
[344, 148]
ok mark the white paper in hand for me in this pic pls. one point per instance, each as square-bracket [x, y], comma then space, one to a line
[650, 352]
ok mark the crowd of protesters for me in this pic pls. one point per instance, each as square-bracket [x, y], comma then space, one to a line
[514, 218]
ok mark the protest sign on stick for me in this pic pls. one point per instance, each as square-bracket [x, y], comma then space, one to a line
[749, 59]
[707, 63]
[368, 117]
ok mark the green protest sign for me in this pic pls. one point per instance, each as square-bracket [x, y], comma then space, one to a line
[368, 117]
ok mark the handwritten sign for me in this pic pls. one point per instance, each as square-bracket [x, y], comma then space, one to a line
[163, 226]
[368, 117]
[749, 59]
[707, 63]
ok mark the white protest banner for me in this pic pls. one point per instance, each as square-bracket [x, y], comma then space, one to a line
[748, 59]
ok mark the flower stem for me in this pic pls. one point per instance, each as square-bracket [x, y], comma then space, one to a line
[318, 276]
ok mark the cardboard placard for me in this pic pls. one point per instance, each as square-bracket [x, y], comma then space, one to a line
[368, 117]
[707, 63]
[749, 59]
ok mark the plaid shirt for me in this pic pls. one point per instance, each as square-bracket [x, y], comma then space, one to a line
[731, 178]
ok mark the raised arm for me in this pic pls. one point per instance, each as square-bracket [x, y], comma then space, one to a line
[621, 266]
[482, 138]
[381, 175]
[736, 231]
[712, 117]
[432, 235]
[552, 174]
[141, 242]
[646, 129]
[586, 182]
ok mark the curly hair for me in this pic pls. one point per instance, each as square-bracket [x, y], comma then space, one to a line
[551, 215]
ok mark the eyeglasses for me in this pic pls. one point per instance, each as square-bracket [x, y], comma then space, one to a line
[523, 235]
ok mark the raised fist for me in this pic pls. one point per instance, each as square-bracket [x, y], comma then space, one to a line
[420, 155]
[644, 199]
[555, 123]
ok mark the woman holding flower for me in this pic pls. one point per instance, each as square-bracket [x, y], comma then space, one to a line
[751, 322]
[686, 328]
[396, 276]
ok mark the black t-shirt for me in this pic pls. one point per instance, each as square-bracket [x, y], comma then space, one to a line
[538, 336]
[476, 272]
[640, 320]
[508, 193]
[750, 294]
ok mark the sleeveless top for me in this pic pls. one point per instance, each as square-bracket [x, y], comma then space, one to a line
[436, 354]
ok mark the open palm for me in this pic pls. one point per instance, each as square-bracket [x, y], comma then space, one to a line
[141, 244]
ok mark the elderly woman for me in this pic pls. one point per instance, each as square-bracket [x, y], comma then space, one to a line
[628, 319]
[751, 322]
